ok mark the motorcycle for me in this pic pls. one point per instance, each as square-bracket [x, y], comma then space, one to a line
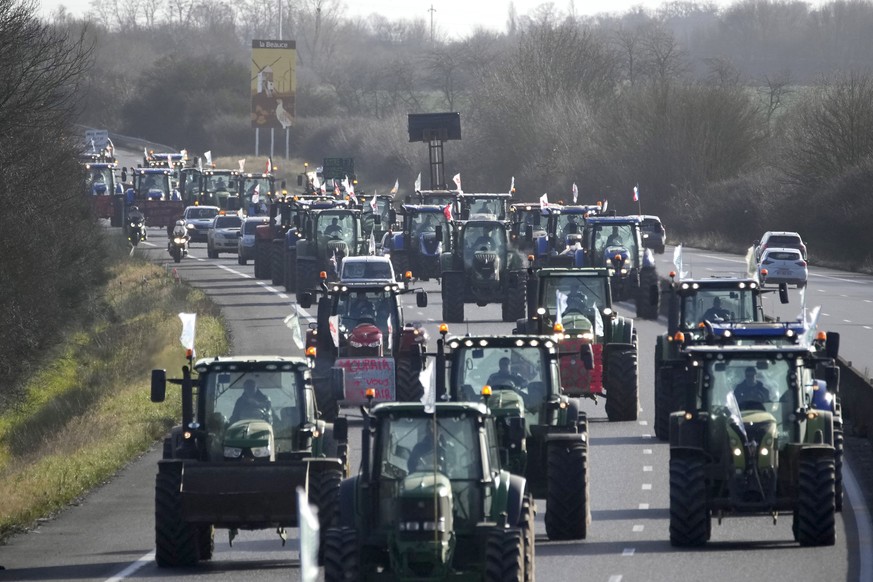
[136, 231]
[178, 248]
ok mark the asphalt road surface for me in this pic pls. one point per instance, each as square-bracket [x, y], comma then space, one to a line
[110, 536]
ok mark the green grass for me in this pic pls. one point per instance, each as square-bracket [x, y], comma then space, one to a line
[87, 412]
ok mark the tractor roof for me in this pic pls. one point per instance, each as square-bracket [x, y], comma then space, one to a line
[247, 363]
[614, 220]
[423, 208]
[100, 165]
[485, 195]
[690, 286]
[165, 171]
[501, 341]
[731, 352]
[441, 409]
[574, 272]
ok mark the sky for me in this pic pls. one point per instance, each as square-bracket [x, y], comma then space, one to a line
[454, 17]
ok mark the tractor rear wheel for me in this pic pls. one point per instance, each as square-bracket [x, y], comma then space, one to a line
[307, 277]
[689, 515]
[262, 259]
[324, 490]
[290, 282]
[325, 399]
[341, 559]
[622, 385]
[814, 522]
[647, 291]
[400, 262]
[205, 541]
[453, 292]
[408, 387]
[663, 403]
[277, 262]
[567, 514]
[504, 555]
[514, 303]
[838, 463]
[175, 539]
[528, 534]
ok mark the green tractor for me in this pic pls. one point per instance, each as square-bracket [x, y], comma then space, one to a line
[749, 441]
[481, 266]
[431, 501]
[327, 236]
[543, 433]
[249, 437]
[576, 305]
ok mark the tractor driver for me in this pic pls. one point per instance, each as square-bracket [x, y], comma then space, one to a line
[422, 457]
[333, 230]
[716, 312]
[571, 227]
[505, 377]
[613, 239]
[253, 404]
[751, 393]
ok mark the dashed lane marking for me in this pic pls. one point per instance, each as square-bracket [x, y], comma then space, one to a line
[234, 272]
[614, 578]
[628, 551]
[647, 486]
[644, 423]
[638, 528]
[647, 451]
[133, 567]
[644, 506]
[647, 468]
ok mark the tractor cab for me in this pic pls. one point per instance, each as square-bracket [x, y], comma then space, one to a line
[220, 188]
[484, 206]
[257, 192]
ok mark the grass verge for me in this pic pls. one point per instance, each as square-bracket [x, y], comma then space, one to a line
[87, 412]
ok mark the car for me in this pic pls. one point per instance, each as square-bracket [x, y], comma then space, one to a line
[246, 241]
[198, 221]
[782, 239]
[654, 235]
[367, 269]
[223, 237]
[782, 265]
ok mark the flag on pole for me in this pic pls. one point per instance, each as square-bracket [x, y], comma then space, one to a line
[637, 193]
[309, 537]
[575, 193]
[269, 168]
[189, 323]
[336, 188]
[256, 194]
[457, 180]
[396, 187]
[544, 200]
[242, 165]
[170, 161]
[427, 378]
[293, 323]
[678, 262]
[208, 156]
[372, 243]
[418, 183]
[333, 325]
[93, 146]
[447, 212]
[373, 205]
[145, 153]
[316, 183]
[560, 305]
[199, 164]
[512, 185]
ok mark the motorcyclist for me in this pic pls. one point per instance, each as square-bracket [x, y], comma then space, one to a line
[135, 216]
[179, 231]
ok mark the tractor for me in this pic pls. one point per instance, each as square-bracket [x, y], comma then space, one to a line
[614, 242]
[560, 244]
[327, 236]
[480, 266]
[360, 341]
[431, 501]
[749, 441]
[542, 432]
[484, 206]
[575, 305]
[249, 437]
[526, 222]
[417, 247]
[219, 188]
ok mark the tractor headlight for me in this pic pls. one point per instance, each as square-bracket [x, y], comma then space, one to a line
[409, 526]
[261, 452]
[232, 452]
[764, 451]
[737, 452]
[439, 525]
[189, 226]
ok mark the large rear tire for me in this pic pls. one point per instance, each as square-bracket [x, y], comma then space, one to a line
[325, 399]
[277, 262]
[839, 439]
[408, 386]
[324, 488]
[689, 515]
[567, 514]
[648, 294]
[290, 257]
[453, 293]
[175, 539]
[514, 303]
[205, 541]
[342, 561]
[307, 277]
[504, 555]
[528, 534]
[400, 262]
[814, 512]
[262, 260]
[663, 399]
[622, 385]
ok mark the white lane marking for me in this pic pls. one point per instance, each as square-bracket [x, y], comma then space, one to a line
[862, 521]
[283, 295]
[234, 271]
[847, 321]
[647, 486]
[868, 301]
[133, 567]
[647, 468]
[614, 578]
[647, 451]
[644, 423]
[866, 327]
[638, 528]
[628, 551]
[644, 506]
[826, 314]
[647, 436]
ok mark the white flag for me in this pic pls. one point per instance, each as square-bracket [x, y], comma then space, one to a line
[293, 323]
[189, 322]
[678, 262]
[598, 322]
[427, 378]
[170, 161]
[256, 194]
[333, 324]
[396, 187]
[308, 520]
[373, 207]
[242, 165]
[512, 185]
[93, 146]
[200, 164]
[372, 246]
[418, 183]
[145, 153]
[544, 200]
[208, 156]
[575, 193]
[560, 305]
[457, 180]
[316, 183]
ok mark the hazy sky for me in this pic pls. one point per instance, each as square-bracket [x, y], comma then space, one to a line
[461, 16]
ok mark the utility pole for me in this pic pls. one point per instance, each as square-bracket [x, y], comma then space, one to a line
[431, 10]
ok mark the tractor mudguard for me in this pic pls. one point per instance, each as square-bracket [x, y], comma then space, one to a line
[412, 341]
[291, 239]
[263, 233]
[823, 422]
[514, 499]
[348, 502]
[687, 434]
[623, 330]
[398, 242]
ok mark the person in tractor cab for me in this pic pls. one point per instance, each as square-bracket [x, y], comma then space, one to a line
[505, 377]
[572, 227]
[333, 230]
[362, 309]
[421, 458]
[614, 239]
[751, 392]
[716, 312]
[252, 405]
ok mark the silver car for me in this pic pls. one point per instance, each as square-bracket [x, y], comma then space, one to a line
[223, 237]
[246, 241]
[782, 265]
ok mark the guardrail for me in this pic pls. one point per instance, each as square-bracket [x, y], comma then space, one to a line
[856, 396]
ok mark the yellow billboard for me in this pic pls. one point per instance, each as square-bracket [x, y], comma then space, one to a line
[273, 83]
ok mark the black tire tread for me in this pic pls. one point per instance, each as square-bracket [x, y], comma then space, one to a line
[341, 557]
[814, 514]
[175, 540]
[567, 509]
[622, 385]
[689, 514]
[408, 387]
[453, 294]
[504, 555]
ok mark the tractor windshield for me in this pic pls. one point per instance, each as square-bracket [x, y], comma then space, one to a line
[374, 306]
[220, 392]
[486, 208]
[743, 391]
[567, 224]
[257, 196]
[422, 222]
[440, 200]
[337, 227]
[570, 295]
[529, 217]
[521, 370]
[101, 181]
[219, 183]
[719, 306]
[608, 239]
[153, 185]
[483, 238]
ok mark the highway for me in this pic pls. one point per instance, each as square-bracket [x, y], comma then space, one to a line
[109, 536]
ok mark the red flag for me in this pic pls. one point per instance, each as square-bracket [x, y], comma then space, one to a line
[637, 193]
[269, 166]
[447, 212]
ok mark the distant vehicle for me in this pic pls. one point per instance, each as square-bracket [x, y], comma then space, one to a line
[782, 239]
[224, 235]
[654, 235]
[782, 265]
[368, 269]
[246, 241]
[198, 220]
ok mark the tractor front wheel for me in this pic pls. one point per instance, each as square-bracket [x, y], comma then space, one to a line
[504, 555]
[689, 515]
[453, 293]
[408, 386]
[814, 521]
[341, 559]
[567, 514]
[514, 303]
[175, 539]
[622, 385]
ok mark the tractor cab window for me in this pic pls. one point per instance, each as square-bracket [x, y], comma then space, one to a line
[718, 306]
[609, 239]
[483, 238]
[424, 222]
[529, 217]
[440, 200]
[336, 227]
[219, 183]
[257, 196]
[567, 224]
[576, 302]
[486, 208]
[749, 393]
[517, 372]
[154, 186]
[377, 307]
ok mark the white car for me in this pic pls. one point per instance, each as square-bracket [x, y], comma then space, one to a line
[246, 241]
[782, 265]
[367, 269]
[198, 221]
[223, 237]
